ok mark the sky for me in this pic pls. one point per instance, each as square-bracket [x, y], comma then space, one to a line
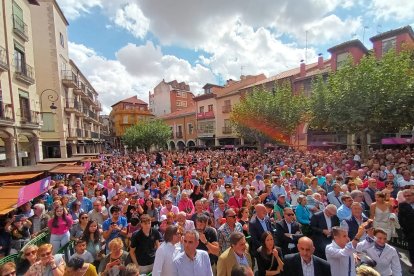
[127, 47]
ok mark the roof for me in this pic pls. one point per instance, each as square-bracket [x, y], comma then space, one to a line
[237, 85]
[209, 85]
[27, 169]
[132, 100]
[347, 44]
[69, 170]
[60, 160]
[8, 198]
[61, 12]
[204, 96]
[180, 113]
[390, 33]
[18, 177]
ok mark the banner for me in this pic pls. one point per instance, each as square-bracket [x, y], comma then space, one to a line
[87, 165]
[33, 190]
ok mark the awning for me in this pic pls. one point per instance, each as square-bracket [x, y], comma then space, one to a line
[69, 170]
[397, 141]
[8, 198]
[92, 160]
[18, 177]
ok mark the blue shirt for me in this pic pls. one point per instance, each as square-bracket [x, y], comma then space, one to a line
[263, 224]
[343, 213]
[122, 223]
[200, 266]
[278, 190]
[86, 204]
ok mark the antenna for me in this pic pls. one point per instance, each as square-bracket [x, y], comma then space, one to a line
[241, 70]
[363, 34]
[306, 46]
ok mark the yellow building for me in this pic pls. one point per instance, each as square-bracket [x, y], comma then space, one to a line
[127, 113]
[19, 104]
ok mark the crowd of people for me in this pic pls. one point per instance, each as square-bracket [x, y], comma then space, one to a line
[283, 212]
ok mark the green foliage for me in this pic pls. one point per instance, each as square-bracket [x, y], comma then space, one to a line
[146, 134]
[270, 115]
[373, 96]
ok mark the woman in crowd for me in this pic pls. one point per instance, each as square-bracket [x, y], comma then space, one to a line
[19, 229]
[280, 205]
[77, 229]
[303, 215]
[186, 205]
[75, 210]
[150, 210]
[29, 258]
[93, 237]
[49, 264]
[77, 266]
[197, 194]
[98, 195]
[117, 259]
[8, 269]
[269, 260]
[59, 227]
[380, 212]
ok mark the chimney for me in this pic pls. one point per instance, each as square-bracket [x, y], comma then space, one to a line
[302, 68]
[320, 61]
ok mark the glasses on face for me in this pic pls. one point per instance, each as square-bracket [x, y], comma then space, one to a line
[114, 199]
[252, 190]
[30, 253]
[290, 215]
[47, 254]
[84, 217]
[11, 273]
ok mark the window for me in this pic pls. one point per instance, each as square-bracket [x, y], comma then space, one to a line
[181, 94]
[24, 106]
[388, 44]
[210, 107]
[207, 90]
[49, 122]
[341, 59]
[178, 103]
[62, 40]
[190, 128]
[125, 119]
[19, 58]
[227, 103]
[201, 109]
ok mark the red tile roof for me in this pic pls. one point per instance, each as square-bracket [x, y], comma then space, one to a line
[180, 113]
[133, 100]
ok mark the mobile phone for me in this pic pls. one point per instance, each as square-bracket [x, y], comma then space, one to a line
[369, 225]
[18, 217]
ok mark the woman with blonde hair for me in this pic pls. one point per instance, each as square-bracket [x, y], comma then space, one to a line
[29, 257]
[48, 264]
[116, 260]
[8, 269]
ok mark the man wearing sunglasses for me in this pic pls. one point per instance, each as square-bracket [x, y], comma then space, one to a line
[288, 232]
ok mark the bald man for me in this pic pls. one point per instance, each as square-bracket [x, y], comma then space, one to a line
[304, 262]
[257, 226]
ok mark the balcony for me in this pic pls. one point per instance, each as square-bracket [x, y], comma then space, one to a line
[95, 135]
[20, 28]
[226, 108]
[227, 130]
[29, 119]
[24, 73]
[93, 115]
[205, 132]
[87, 133]
[69, 79]
[205, 115]
[6, 115]
[3, 60]
[72, 105]
[78, 91]
[97, 105]
[79, 132]
[178, 135]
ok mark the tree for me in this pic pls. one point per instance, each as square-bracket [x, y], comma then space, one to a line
[374, 96]
[270, 116]
[146, 134]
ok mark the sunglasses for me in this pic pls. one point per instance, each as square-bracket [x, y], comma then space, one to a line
[290, 215]
[46, 254]
[10, 273]
[30, 253]
[84, 217]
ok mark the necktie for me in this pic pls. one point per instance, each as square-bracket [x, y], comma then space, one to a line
[349, 266]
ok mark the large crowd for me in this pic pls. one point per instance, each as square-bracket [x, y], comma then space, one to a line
[283, 212]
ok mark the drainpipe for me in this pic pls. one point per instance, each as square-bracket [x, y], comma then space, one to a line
[10, 81]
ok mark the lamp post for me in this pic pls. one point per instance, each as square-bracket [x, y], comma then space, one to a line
[53, 97]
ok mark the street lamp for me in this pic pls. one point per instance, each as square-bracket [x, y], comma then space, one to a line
[52, 97]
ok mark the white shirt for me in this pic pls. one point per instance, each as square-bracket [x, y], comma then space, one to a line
[328, 221]
[388, 261]
[289, 226]
[163, 264]
[339, 258]
[308, 269]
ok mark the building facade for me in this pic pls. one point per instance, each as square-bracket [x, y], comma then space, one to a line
[69, 104]
[125, 114]
[19, 103]
[183, 128]
[169, 97]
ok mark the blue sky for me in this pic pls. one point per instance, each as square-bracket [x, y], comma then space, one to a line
[126, 47]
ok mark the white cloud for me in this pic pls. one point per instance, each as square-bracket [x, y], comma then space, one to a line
[130, 17]
[74, 8]
[396, 10]
[114, 80]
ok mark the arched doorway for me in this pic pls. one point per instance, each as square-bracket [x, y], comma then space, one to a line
[172, 145]
[180, 145]
[190, 143]
[28, 148]
[7, 149]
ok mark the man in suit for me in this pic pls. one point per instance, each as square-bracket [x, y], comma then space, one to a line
[406, 218]
[321, 224]
[235, 255]
[258, 226]
[288, 232]
[351, 225]
[304, 262]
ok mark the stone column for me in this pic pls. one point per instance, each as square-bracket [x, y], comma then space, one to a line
[216, 142]
[242, 141]
[37, 149]
[74, 148]
[10, 145]
[63, 150]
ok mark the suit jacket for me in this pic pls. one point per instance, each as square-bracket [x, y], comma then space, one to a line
[388, 263]
[256, 230]
[283, 241]
[406, 218]
[293, 266]
[227, 260]
[318, 224]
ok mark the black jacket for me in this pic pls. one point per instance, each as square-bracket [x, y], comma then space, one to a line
[282, 241]
[256, 231]
[293, 266]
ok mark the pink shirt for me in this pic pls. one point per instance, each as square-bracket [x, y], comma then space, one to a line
[62, 228]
